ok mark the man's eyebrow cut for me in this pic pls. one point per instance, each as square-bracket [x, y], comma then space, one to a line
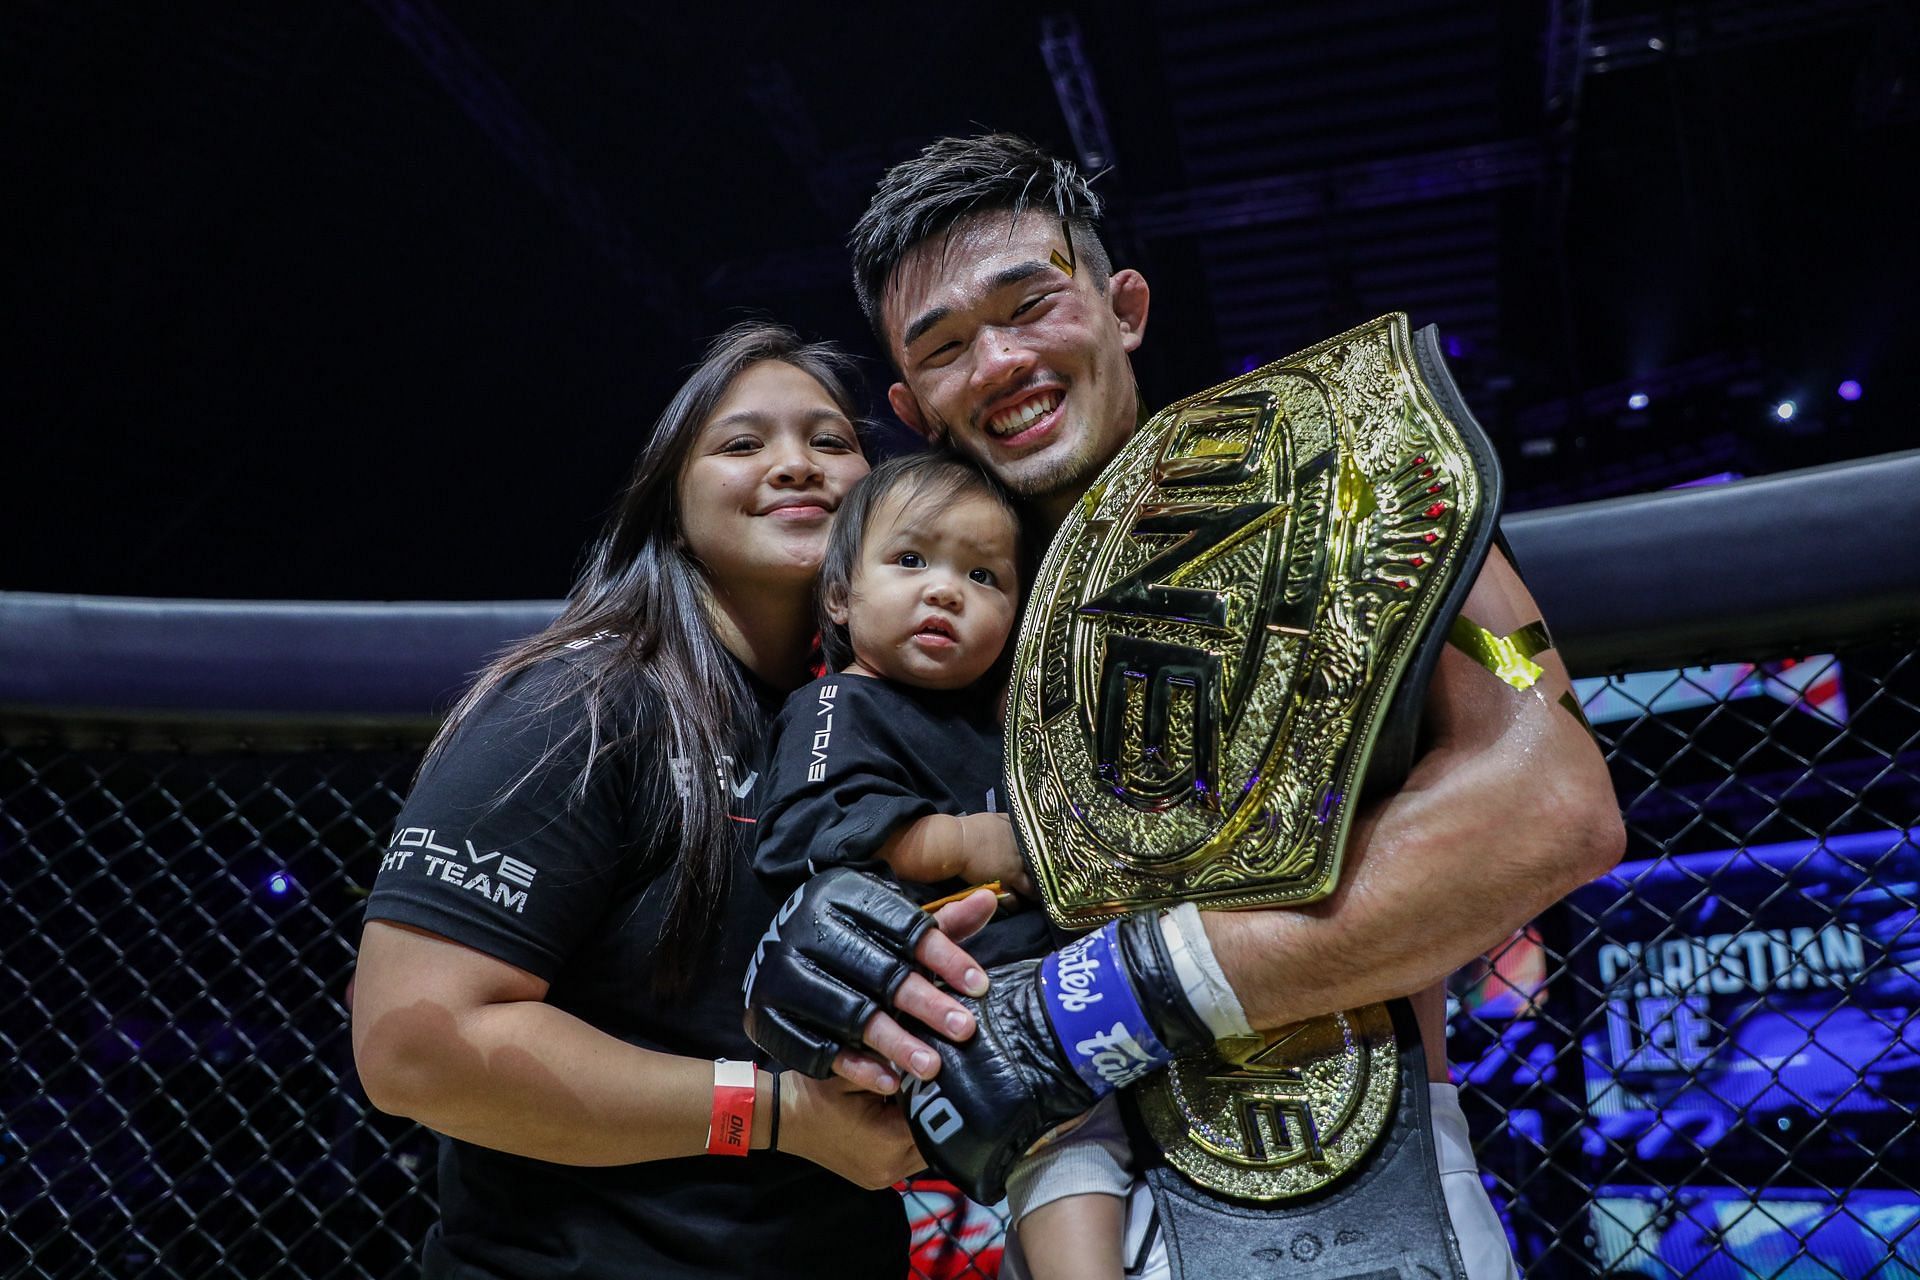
[1008, 276]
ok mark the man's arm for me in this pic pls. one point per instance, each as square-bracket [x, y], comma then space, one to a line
[1509, 810]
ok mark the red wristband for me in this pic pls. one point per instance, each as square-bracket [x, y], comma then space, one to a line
[730, 1129]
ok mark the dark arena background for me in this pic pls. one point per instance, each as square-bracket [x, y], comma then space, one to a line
[319, 306]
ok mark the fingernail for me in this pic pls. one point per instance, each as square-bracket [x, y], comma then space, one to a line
[959, 1023]
[923, 1063]
[888, 1084]
[975, 981]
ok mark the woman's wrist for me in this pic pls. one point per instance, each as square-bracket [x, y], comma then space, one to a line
[735, 1104]
[766, 1104]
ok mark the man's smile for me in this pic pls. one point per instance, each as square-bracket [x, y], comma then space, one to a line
[1020, 418]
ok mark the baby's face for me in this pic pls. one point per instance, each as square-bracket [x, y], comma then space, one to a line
[933, 596]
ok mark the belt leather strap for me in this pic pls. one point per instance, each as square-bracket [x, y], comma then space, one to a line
[1386, 1221]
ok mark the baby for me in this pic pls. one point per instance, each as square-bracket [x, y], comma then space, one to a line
[895, 759]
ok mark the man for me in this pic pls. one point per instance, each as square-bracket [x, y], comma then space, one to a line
[980, 266]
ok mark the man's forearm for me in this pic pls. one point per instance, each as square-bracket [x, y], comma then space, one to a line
[1475, 844]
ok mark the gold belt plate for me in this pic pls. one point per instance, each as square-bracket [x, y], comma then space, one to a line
[1282, 1114]
[1218, 628]
[1207, 655]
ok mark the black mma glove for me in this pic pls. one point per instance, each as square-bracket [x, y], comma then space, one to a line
[1056, 1035]
[833, 957]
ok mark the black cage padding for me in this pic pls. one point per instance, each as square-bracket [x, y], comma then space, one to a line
[1757, 567]
[210, 658]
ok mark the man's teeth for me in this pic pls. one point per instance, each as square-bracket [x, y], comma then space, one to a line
[1005, 424]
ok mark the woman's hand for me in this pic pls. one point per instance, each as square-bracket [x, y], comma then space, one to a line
[826, 973]
[893, 1046]
[846, 1130]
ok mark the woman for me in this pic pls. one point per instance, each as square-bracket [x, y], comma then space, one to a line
[557, 936]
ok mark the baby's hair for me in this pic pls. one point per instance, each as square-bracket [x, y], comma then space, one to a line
[931, 482]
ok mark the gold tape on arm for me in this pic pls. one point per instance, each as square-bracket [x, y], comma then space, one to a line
[1511, 657]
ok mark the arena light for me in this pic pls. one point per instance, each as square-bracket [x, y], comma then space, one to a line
[1638, 401]
[1785, 410]
[1849, 390]
[279, 884]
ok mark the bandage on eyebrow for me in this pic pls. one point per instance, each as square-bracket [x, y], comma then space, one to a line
[1071, 259]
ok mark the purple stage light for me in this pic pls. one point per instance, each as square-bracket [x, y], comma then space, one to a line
[1849, 390]
[279, 883]
[1785, 410]
[1718, 477]
[1638, 400]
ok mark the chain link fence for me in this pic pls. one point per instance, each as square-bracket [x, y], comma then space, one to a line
[1705, 1065]
[179, 1093]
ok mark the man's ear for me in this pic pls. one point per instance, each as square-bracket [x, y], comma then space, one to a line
[906, 407]
[835, 599]
[1127, 295]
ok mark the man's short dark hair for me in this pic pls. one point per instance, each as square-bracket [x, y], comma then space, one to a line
[932, 481]
[959, 178]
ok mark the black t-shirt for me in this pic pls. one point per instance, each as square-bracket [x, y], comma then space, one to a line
[853, 758]
[496, 850]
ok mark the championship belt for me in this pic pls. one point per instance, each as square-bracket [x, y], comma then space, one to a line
[1226, 647]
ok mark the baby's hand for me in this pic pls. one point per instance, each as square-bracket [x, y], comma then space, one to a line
[978, 848]
[993, 854]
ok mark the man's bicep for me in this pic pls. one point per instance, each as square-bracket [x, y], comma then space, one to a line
[1499, 667]
[1511, 746]
[1508, 808]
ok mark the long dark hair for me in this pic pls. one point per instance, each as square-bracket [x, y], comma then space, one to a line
[638, 636]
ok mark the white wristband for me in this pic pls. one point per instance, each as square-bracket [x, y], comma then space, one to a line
[1199, 973]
